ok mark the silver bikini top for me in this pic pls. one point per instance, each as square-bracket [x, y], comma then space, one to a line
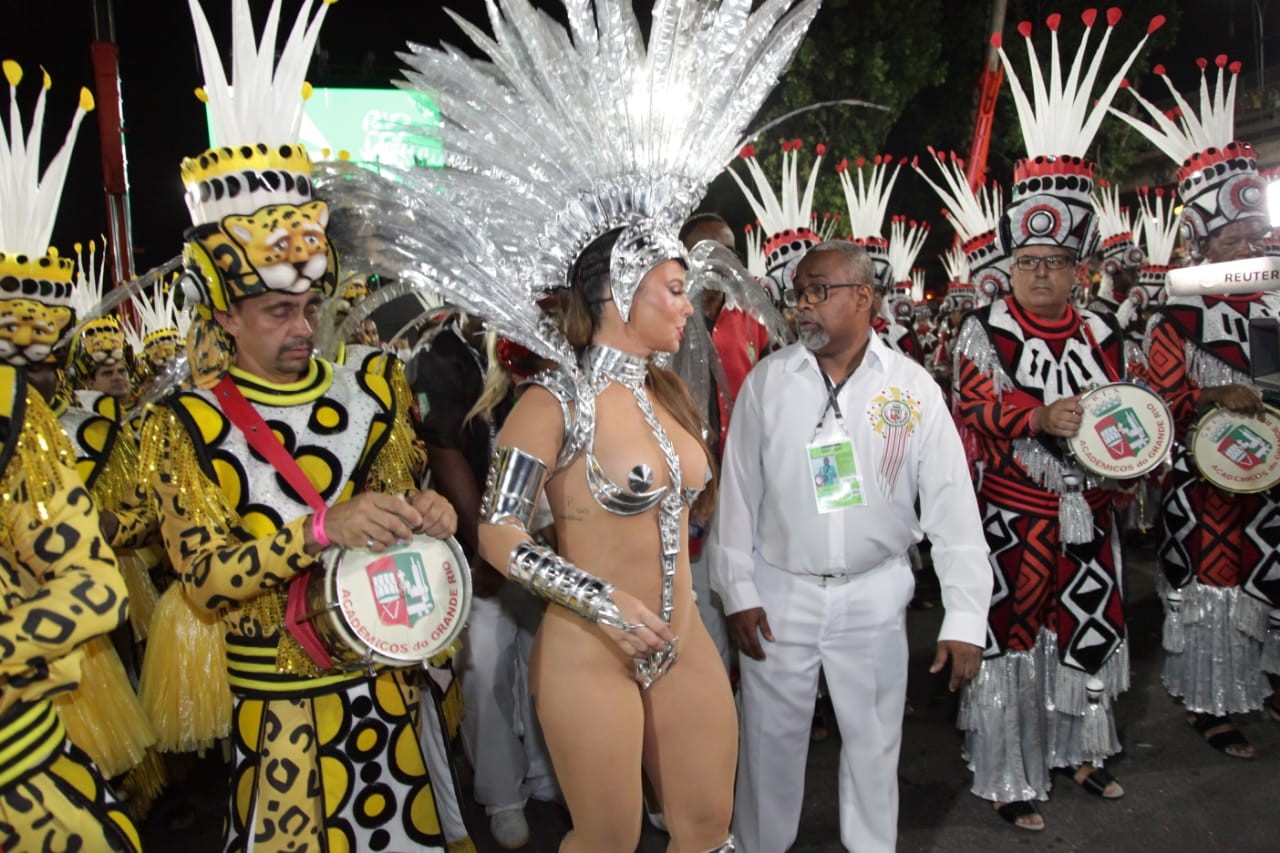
[601, 366]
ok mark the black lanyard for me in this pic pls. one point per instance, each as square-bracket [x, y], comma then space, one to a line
[833, 404]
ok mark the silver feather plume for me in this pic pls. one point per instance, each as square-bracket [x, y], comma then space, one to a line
[558, 136]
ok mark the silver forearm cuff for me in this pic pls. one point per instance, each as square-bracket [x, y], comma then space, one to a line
[547, 575]
[512, 488]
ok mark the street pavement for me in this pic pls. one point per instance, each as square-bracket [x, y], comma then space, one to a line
[1181, 795]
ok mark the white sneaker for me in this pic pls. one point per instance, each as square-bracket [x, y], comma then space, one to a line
[509, 828]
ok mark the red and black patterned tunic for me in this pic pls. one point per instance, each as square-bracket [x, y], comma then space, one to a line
[1009, 363]
[1217, 538]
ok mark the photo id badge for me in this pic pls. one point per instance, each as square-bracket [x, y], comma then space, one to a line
[834, 469]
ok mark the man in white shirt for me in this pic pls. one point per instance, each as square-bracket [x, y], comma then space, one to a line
[818, 569]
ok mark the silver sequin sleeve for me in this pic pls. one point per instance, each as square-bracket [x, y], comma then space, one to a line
[549, 576]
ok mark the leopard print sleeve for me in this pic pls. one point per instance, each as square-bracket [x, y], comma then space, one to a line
[59, 577]
[217, 561]
[136, 523]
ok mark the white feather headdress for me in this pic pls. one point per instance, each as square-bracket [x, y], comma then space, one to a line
[1051, 202]
[30, 197]
[785, 216]
[1063, 114]
[1159, 224]
[972, 213]
[867, 202]
[956, 263]
[91, 274]
[1218, 175]
[790, 208]
[29, 201]
[906, 239]
[263, 99]
[1187, 130]
[1115, 229]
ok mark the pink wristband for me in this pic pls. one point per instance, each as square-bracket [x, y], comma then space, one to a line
[1031, 421]
[317, 527]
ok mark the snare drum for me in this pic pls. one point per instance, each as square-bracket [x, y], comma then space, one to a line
[1235, 452]
[1126, 431]
[398, 608]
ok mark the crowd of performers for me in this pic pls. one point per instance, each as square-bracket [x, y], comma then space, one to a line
[606, 418]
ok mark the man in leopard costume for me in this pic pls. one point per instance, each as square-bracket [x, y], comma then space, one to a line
[323, 758]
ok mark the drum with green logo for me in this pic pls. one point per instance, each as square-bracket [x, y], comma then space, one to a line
[1126, 431]
[1237, 452]
[400, 607]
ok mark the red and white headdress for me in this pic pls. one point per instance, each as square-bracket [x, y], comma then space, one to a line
[867, 201]
[1158, 226]
[1115, 229]
[975, 216]
[1053, 184]
[961, 294]
[920, 304]
[785, 219]
[906, 239]
[1218, 181]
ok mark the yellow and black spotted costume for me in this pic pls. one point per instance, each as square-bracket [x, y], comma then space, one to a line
[322, 762]
[389, 366]
[103, 715]
[60, 589]
[106, 451]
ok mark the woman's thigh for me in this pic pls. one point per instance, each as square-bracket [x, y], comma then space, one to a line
[691, 744]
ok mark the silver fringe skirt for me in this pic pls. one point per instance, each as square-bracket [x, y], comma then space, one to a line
[1026, 714]
[1213, 642]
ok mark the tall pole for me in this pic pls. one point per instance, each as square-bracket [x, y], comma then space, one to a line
[1259, 21]
[989, 82]
[115, 184]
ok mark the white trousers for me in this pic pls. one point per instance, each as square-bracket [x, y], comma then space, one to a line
[500, 732]
[711, 610]
[855, 631]
[435, 752]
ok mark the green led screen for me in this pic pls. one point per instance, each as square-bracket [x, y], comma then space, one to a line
[361, 121]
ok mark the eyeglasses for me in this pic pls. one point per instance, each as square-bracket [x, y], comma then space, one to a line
[814, 294]
[1030, 263]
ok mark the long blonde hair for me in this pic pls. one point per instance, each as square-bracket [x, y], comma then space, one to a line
[497, 384]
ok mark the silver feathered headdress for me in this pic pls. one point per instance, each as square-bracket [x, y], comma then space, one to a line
[560, 136]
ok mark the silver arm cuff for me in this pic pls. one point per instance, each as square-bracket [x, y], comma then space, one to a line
[511, 490]
[549, 576]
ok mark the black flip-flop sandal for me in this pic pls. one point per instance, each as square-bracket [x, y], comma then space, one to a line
[1096, 783]
[1222, 741]
[1012, 812]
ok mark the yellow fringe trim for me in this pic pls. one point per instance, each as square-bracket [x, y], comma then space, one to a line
[144, 784]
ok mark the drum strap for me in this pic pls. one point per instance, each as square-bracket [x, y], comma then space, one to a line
[260, 437]
[1102, 356]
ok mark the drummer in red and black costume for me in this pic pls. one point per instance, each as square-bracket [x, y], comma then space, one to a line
[322, 759]
[1057, 655]
[1218, 554]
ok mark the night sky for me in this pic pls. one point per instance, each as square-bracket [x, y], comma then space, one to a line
[164, 122]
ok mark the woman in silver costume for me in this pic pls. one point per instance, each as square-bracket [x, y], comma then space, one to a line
[607, 693]
[574, 154]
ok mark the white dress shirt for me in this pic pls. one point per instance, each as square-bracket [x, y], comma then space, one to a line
[768, 510]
